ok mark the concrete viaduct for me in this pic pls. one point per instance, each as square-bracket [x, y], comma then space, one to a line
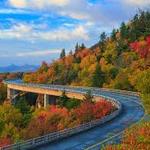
[49, 92]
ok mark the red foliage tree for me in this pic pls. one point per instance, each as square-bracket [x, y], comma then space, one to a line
[102, 108]
[142, 47]
[85, 112]
[5, 141]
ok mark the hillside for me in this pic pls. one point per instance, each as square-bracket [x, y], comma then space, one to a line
[120, 61]
[113, 62]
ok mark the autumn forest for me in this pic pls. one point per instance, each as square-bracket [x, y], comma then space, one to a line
[120, 60]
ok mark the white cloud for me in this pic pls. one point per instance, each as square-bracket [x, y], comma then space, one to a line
[32, 53]
[37, 53]
[31, 33]
[64, 34]
[77, 9]
[40, 4]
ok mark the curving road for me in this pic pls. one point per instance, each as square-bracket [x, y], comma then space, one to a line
[131, 113]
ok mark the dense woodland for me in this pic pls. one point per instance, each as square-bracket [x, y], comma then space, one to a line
[120, 61]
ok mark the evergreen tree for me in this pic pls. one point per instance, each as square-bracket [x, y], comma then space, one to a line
[102, 41]
[103, 37]
[22, 105]
[98, 77]
[113, 35]
[123, 31]
[63, 53]
[25, 109]
[62, 99]
[76, 47]
[83, 46]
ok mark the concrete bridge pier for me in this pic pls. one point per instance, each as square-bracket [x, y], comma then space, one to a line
[49, 100]
[46, 100]
[11, 93]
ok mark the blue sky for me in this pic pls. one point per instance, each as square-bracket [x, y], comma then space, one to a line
[35, 30]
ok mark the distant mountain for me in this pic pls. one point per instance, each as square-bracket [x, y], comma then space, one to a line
[15, 68]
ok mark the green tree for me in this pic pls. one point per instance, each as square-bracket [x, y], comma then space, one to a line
[122, 81]
[25, 109]
[113, 35]
[102, 41]
[98, 77]
[9, 113]
[62, 100]
[22, 105]
[2, 125]
[123, 31]
[83, 46]
[72, 103]
[143, 85]
[76, 47]
[2, 93]
[63, 53]
[113, 72]
[143, 82]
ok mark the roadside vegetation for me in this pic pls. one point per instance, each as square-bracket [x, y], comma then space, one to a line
[21, 121]
[136, 138]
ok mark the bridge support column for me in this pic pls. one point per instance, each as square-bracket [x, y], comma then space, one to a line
[10, 94]
[46, 100]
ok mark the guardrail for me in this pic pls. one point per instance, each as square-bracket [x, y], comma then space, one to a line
[69, 88]
[131, 93]
[32, 143]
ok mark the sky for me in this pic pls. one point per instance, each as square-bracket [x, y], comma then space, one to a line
[32, 31]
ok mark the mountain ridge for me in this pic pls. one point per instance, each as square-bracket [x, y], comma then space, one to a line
[16, 68]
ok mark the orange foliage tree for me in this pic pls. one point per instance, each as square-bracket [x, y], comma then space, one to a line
[136, 138]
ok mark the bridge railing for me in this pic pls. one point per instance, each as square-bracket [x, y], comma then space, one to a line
[66, 132]
[76, 89]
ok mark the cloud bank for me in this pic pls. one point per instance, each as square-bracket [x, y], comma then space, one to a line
[28, 32]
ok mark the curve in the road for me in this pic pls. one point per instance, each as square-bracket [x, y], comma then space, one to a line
[132, 112]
